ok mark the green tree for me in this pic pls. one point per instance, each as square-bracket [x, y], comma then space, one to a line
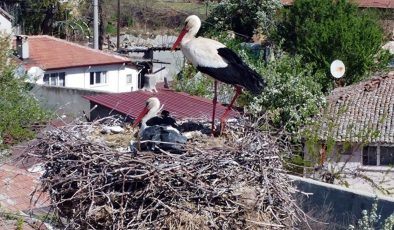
[245, 17]
[18, 109]
[322, 31]
[38, 16]
[292, 95]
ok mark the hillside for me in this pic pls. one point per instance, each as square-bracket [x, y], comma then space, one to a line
[153, 16]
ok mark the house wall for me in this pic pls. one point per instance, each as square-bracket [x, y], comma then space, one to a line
[116, 78]
[352, 172]
[63, 101]
[175, 58]
[5, 25]
[353, 159]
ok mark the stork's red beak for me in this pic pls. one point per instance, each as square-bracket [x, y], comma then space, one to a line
[139, 118]
[179, 39]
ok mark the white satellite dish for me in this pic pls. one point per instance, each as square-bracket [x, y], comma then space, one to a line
[337, 68]
[35, 73]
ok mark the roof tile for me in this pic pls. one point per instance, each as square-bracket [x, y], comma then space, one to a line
[180, 105]
[355, 112]
[389, 4]
[51, 53]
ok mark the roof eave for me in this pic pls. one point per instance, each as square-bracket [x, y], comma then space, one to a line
[85, 65]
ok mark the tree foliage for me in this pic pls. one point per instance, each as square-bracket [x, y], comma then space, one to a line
[322, 31]
[244, 17]
[292, 95]
[38, 16]
[18, 109]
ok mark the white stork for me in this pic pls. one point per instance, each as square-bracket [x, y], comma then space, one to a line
[159, 130]
[219, 62]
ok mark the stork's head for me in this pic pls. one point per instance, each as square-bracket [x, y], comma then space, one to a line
[152, 106]
[192, 25]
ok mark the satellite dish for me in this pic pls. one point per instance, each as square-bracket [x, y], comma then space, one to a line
[35, 73]
[337, 69]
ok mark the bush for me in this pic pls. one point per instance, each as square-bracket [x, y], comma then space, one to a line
[245, 17]
[18, 109]
[322, 31]
[372, 220]
[292, 94]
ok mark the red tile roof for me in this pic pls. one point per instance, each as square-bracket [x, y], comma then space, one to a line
[354, 113]
[16, 187]
[389, 4]
[180, 105]
[51, 53]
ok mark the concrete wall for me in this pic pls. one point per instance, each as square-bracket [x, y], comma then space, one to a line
[67, 101]
[175, 58]
[345, 205]
[116, 78]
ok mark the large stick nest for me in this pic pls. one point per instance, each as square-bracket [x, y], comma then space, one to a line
[236, 185]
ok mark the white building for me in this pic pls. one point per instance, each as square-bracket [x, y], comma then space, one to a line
[56, 62]
[5, 22]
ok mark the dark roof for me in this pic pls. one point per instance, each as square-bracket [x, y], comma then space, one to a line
[361, 112]
[6, 14]
[180, 105]
[387, 4]
[51, 53]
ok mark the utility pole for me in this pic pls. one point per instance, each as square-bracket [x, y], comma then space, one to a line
[206, 8]
[118, 28]
[95, 25]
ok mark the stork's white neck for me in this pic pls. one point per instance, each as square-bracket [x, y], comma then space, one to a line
[193, 27]
[151, 113]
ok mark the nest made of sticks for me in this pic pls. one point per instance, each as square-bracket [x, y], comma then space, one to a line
[237, 185]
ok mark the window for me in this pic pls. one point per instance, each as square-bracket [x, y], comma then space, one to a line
[378, 155]
[55, 79]
[98, 78]
[370, 155]
[129, 78]
[386, 155]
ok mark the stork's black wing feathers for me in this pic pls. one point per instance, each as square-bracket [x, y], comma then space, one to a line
[236, 73]
[159, 134]
[230, 56]
[162, 121]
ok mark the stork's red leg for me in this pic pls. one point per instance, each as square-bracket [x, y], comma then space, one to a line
[238, 91]
[214, 102]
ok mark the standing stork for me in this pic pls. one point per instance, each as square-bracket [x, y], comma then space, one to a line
[219, 62]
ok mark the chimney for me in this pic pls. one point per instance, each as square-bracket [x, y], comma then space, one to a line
[150, 82]
[22, 47]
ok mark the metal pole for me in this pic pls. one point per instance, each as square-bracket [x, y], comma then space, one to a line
[118, 28]
[95, 25]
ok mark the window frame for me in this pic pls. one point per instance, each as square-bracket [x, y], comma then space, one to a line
[56, 77]
[378, 155]
[98, 78]
[129, 77]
